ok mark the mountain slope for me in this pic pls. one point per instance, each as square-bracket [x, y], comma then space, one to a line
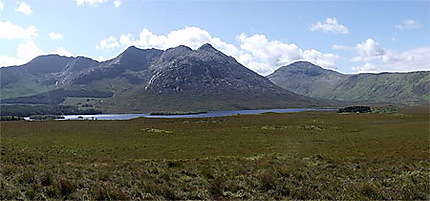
[42, 74]
[205, 79]
[310, 80]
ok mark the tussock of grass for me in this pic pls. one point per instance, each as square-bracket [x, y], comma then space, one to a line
[155, 130]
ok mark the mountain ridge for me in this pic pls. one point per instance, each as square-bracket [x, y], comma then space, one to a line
[314, 81]
[143, 80]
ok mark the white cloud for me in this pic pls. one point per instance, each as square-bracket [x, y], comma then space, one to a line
[266, 56]
[325, 60]
[63, 52]
[369, 48]
[255, 52]
[366, 68]
[409, 24]
[410, 60]
[27, 51]
[10, 31]
[89, 2]
[330, 25]
[1, 8]
[24, 8]
[375, 58]
[108, 43]
[100, 58]
[117, 3]
[126, 40]
[342, 47]
[9, 61]
[55, 36]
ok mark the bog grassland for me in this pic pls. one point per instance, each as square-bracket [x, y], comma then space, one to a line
[308, 155]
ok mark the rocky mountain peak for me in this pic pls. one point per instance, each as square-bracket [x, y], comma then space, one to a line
[179, 49]
[47, 64]
[303, 65]
[207, 47]
[132, 48]
[175, 53]
[134, 58]
[302, 68]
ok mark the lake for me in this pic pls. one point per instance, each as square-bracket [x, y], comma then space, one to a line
[201, 115]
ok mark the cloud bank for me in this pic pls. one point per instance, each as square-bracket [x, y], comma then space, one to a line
[26, 48]
[374, 58]
[255, 52]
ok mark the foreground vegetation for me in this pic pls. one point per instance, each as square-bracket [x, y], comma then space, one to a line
[309, 155]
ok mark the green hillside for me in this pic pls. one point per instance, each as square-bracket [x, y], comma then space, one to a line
[310, 80]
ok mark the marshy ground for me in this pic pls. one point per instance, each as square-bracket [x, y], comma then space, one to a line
[308, 155]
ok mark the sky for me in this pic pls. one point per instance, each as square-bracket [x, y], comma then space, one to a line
[347, 36]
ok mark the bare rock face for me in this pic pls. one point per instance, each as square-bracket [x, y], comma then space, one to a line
[205, 70]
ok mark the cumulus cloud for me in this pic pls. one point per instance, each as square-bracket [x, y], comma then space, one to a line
[108, 43]
[1, 7]
[63, 52]
[410, 60]
[255, 52]
[330, 25]
[409, 24]
[126, 40]
[89, 2]
[10, 31]
[27, 51]
[24, 8]
[374, 58]
[117, 3]
[265, 56]
[366, 68]
[55, 36]
[9, 61]
[369, 48]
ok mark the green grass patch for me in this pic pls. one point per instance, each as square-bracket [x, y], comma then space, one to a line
[309, 155]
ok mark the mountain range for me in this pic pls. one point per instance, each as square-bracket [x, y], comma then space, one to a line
[146, 80]
[182, 79]
[311, 80]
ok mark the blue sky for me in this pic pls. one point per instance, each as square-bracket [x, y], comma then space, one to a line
[347, 36]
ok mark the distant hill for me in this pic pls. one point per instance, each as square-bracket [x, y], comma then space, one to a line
[145, 80]
[311, 80]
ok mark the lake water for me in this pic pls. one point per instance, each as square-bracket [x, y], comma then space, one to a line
[202, 115]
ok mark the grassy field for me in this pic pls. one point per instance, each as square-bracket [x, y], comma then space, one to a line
[309, 155]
